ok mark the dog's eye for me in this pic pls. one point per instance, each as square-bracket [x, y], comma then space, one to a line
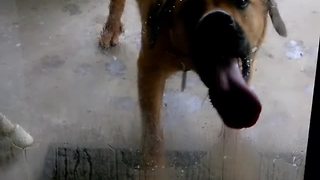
[242, 4]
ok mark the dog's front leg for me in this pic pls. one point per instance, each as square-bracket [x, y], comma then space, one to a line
[113, 27]
[152, 74]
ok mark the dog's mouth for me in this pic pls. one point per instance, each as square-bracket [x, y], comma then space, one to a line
[236, 103]
[221, 56]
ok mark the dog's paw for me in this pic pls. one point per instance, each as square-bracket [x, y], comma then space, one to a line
[110, 35]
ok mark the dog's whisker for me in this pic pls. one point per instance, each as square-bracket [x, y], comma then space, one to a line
[246, 67]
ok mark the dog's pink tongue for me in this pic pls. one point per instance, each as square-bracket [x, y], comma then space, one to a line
[238, 106]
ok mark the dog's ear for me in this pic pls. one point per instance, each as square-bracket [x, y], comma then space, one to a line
[276, 19]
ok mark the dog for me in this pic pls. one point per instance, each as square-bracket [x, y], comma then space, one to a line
[218, 39]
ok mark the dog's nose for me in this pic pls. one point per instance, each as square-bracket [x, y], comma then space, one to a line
[218, 16]
[216, 20]
[218, 31]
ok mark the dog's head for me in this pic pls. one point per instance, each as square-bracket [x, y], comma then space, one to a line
[224, 36]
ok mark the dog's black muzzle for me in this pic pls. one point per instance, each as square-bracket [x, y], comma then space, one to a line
[220, 37]
[218, 44]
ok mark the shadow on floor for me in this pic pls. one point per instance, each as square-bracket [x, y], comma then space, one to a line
[78, 163]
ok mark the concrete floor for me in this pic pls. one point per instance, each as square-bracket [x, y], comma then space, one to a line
[58, 85]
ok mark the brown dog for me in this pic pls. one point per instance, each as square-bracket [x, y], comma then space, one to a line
[218, 39]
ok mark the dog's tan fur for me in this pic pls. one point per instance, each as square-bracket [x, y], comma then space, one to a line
[156, 64]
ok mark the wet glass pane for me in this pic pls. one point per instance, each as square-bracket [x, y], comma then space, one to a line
[70, 109]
